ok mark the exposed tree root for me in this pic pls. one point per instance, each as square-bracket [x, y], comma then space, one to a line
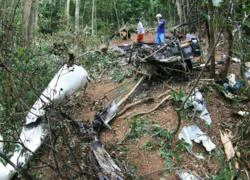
[163, 94]
[151, 110]
[134, 104]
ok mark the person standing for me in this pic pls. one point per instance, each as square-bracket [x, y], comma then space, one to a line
[160, 30]
[140, 31]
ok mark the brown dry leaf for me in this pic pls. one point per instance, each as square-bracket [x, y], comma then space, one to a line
[228, 147]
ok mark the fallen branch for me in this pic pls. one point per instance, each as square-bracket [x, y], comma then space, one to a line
[163, 94]
[134, 104]
[151, 110]
[142, 73]
[127, 96]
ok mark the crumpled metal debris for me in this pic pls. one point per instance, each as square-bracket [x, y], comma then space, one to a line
[185, 175]
[199, 105]
[193, 133]
[104, 117]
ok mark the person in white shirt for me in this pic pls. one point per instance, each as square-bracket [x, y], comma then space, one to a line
[140, 31]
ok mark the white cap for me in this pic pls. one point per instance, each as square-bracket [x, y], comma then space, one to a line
[158, 15]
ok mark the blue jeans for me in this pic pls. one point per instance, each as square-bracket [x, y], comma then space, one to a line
[159, 38]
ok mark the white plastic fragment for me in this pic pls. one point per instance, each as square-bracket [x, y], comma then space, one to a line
[247, 74]
[66, 82]
[199, 105]
[228, 146]
[243, 113]
[231, 80]
[193, 133]
[1, 143]
[236, 60]
[185, 175]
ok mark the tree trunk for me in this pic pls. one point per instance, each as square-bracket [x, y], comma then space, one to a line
[184, 11]
[151, 9]
[93, 18]
[67, 15]
[29, 18]
[116, 13]
[229, 50]
[77, 10]
[211, 48]
[179, 10]
[84, 11]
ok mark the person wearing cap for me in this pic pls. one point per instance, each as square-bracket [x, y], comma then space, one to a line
[160, 30]
[140, 31]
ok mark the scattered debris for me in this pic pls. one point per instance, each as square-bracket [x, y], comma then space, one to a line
[103, 118]
[185, 175]
[236, 60]
[174, 56]
[228, 147]
[193, 132]
[247, 72]
[35, 131]
[200, 107]
[233, 85]
[243, 113]
[108, 166]
[1, 143]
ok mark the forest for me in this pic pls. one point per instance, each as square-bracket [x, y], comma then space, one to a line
[125, 89]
